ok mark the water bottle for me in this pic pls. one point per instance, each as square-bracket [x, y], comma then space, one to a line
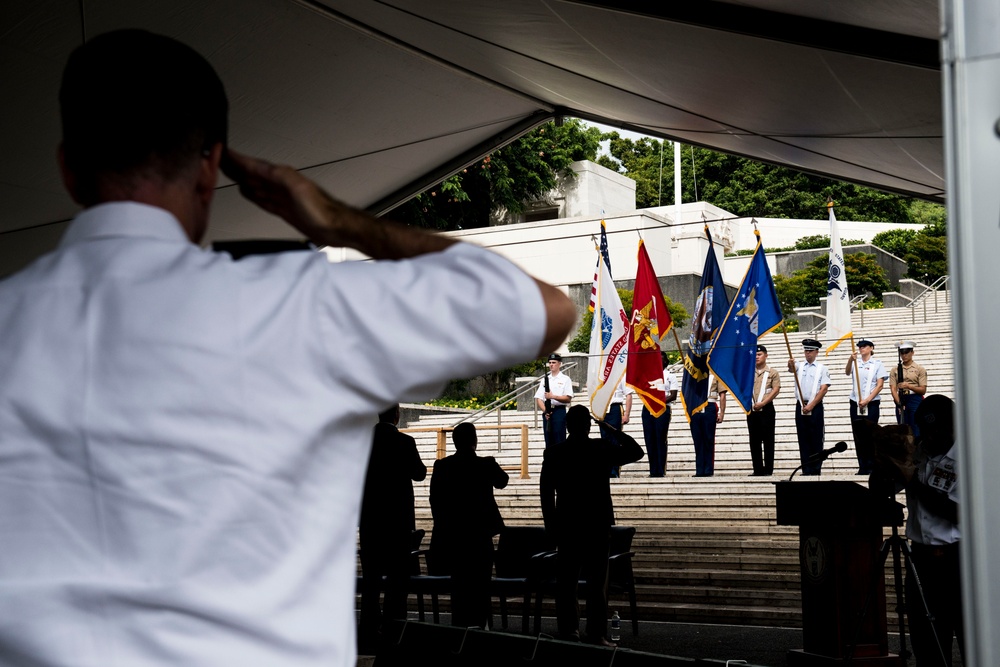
[616, 627]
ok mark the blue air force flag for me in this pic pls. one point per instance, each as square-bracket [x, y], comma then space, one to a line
[755, 312]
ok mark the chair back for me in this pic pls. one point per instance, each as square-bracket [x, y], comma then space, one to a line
[516, 547]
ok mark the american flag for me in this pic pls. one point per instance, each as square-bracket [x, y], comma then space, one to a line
[597, 270]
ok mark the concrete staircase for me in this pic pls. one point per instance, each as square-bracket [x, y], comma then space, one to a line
[707, 549]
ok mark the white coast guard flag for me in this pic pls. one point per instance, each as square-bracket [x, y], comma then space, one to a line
[608, 344]
[838, 302]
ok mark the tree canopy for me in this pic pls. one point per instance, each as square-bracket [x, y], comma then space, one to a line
[503, 182]
[807, 286]
[745, 187]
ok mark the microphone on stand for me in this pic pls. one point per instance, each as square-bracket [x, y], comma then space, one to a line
[821, 456]
[827, 453]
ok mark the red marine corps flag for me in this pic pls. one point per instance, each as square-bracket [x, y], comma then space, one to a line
[650, 322]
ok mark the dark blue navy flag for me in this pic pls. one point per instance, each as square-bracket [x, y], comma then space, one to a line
[755, 312]
[710, 310]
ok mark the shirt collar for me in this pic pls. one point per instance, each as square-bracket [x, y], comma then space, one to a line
[124, 218]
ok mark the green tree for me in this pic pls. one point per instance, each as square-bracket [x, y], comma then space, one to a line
[807, 286]
[927, 258]
[928, 213]
[895, 241]
[581, 342]
[524, 170]
[925, 251]
[746, 187]
[822, 241]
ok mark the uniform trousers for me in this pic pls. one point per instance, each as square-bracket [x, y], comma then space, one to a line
[471, 574]
[865, 452]
[907, 415]
[760, 424]
[555, 428]
[940, 578]
[583, 552]
[383, 556]
[654, 434]
[810, 432]
[703, 433]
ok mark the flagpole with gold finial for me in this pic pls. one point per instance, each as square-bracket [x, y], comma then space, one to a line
[798, 387]
[862, 409]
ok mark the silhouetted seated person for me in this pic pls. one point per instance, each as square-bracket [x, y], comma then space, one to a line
[578, 513]
[386, 525]
[466, 518]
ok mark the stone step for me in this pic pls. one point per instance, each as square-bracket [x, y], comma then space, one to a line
[707, 550]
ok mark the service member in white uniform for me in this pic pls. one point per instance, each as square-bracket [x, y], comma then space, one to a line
[183, 436]
[553, 403]
[868, 374]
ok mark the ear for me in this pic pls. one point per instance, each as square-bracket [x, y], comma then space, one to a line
[208, 173]
[68, 177]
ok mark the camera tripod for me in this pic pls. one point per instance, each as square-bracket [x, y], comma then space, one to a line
[898, 546]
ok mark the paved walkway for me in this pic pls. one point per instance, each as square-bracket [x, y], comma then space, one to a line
[757, 646]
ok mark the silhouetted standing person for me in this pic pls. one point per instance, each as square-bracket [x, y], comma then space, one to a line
[466, 518]
[387, 524]
[576, 505]
[191, 431]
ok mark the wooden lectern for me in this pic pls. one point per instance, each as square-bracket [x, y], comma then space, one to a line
[840, 537]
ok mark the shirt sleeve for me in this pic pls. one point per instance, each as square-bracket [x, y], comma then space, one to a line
[400, 330]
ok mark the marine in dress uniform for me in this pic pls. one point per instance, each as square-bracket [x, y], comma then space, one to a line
[760, 419]
[908, 394]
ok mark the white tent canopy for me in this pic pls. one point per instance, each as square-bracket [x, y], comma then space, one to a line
[379, 99]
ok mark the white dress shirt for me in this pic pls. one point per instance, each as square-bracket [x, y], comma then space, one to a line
[869, 373]
[811, 378]
[941, 473]
[184, 437]
[559, 385]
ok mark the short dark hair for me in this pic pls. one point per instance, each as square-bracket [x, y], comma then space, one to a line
[936, 413]
[390, 415]
[578, 419]
[464, 435]
[132, 101]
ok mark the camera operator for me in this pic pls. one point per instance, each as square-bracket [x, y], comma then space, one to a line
[930, 479]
